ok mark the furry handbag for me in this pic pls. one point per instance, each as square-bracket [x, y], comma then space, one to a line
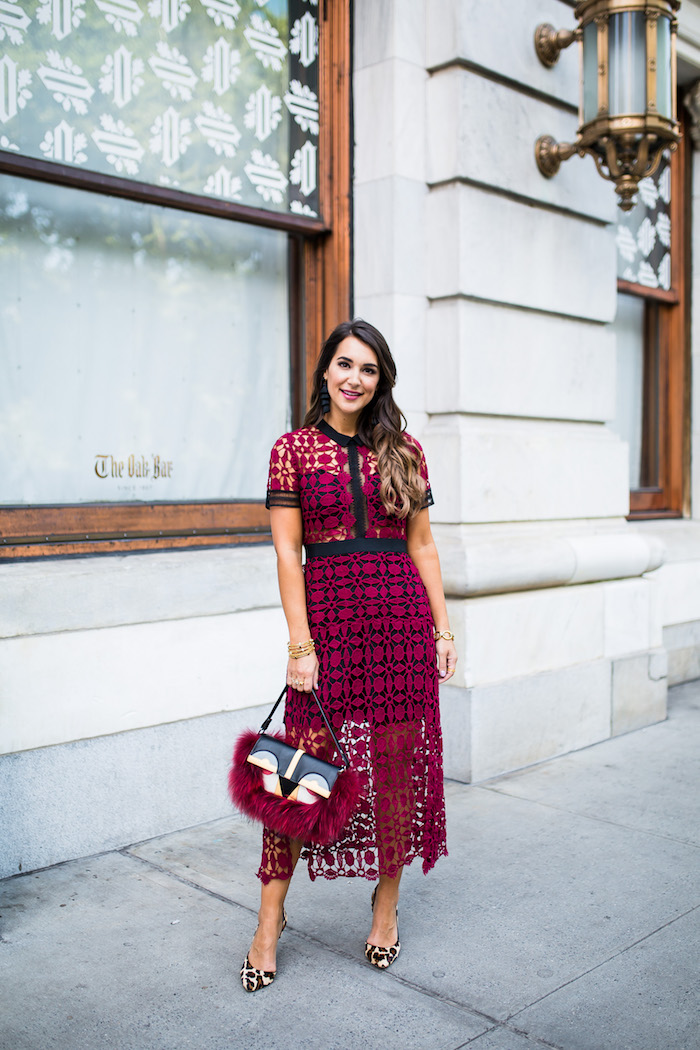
[290, 790]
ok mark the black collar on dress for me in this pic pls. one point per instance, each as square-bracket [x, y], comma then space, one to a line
[340, 439]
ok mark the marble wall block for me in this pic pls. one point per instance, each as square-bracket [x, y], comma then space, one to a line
[79, 684]
[387, 30]
[526, 720]
[389, 111]
[82, 798]
[485, 246]
[682, 644]
[488, 469]
[402, 321]
[492, 360]
[389, 241]
[639, 691]
[679, 585]
[498, 35]
[689, 34]
[631, 616]
[695, 469]
[455, 716]
[485, 131]
[508, 636]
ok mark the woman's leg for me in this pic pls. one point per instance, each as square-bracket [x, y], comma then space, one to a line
[384, 932]
[263, 950]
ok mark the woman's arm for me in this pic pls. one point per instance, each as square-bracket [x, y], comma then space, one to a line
[287, 536]
[424, 555]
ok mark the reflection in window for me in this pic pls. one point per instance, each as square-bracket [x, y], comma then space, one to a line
[637, 387]
[144, 353]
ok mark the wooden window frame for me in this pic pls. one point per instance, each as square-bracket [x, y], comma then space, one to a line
[669, 498]
[320, 296]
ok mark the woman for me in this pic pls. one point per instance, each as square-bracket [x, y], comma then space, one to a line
[368, 630]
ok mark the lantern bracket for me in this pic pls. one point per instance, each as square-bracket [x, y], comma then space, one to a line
[549, 42]
[549, 154]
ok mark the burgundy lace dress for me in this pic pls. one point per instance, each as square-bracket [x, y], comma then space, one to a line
[370, 618]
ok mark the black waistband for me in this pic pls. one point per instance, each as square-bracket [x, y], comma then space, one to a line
[327, 550]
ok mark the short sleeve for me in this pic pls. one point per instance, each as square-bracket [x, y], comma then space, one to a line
[283, 479]
[422, 470]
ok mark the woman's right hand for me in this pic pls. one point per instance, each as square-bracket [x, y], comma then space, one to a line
[302, 674]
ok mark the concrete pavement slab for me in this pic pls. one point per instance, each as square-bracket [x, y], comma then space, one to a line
[111, 953]
[221, 856]
[534, 897]
[529, 898]
[646, 998]
[505, 1039]
[648, 780]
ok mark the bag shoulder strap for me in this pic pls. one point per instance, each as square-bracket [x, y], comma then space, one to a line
[339, 747]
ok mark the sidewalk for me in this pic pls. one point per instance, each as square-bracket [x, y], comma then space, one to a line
[567, 915]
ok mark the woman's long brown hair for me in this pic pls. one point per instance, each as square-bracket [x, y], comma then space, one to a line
[381, 424]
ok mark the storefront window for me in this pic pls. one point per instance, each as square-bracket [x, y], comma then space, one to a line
[131, 350]
[651, 338]
[175, 194]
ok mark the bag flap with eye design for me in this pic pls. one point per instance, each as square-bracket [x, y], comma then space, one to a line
[293, 765]
[271, 754]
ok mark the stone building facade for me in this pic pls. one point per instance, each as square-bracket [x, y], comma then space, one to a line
[124, 677]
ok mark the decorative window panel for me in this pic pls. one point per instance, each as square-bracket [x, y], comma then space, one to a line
[217, 98]
[644, 234]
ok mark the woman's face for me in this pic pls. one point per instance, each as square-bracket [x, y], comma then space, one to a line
[352, 378]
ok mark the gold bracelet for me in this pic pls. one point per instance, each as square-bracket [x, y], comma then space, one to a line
[447, 635]
[298, 649]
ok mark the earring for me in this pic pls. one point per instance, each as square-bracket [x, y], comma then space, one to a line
[325, 398]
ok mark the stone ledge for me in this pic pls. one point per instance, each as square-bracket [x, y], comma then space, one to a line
[77, 594]
[522, 563]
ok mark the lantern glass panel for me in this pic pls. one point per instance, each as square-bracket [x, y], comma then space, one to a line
[628, 74]
[664, 102]
[590, 72]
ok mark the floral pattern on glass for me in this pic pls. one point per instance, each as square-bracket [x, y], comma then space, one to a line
[176, 93]
[644, 234]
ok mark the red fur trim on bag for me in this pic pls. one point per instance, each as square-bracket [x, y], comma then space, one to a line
[319, 822]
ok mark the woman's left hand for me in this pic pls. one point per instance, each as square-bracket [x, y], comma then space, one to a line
[446, 659]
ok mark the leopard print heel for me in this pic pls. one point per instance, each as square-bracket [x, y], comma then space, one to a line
[253, 979]
[382, 958]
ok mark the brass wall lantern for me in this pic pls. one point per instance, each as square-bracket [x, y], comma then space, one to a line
[627, 108]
